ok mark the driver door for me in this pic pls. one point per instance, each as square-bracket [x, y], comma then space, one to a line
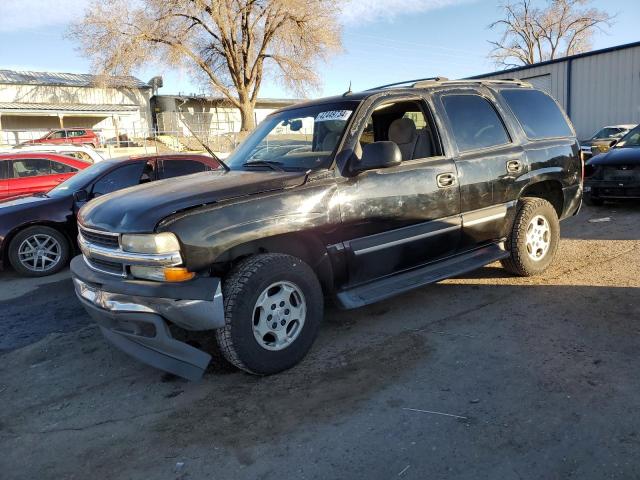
[404, 216]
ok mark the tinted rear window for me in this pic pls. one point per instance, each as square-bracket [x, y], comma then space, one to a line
[538, 114]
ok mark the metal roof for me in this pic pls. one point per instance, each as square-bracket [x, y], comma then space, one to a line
[561, 59]
[13, 77]
[65, 107]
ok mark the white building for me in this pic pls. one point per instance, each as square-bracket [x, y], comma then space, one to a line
[595, 88]
[32, 103]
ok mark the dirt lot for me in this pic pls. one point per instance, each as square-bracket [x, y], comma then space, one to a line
[539, 377]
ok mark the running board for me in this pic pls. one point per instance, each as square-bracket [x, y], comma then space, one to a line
[403, 282]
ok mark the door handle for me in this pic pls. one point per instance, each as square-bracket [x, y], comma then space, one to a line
[445, 180]
[514, 166]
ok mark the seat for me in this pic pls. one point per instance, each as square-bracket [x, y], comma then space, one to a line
[333, 135]
[411, 142]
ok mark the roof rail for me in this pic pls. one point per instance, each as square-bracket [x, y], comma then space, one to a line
[410, 83]
[426, 82]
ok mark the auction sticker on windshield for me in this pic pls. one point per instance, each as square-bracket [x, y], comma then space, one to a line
[333, 115]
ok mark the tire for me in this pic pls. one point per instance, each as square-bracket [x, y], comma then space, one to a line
[534, 215]
[248, 292]
[592, 202]
[53, 245]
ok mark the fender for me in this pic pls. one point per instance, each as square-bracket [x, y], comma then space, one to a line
[208, 232]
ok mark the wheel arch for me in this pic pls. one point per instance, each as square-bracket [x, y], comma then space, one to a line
[549, 190]
[306, 246]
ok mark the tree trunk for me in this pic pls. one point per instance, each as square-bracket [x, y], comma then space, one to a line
[246, 115]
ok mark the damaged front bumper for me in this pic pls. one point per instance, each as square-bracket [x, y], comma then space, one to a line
[134, 314]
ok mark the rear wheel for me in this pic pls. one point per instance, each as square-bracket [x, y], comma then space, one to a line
[39, 251]
[534, 238]
[273, 309]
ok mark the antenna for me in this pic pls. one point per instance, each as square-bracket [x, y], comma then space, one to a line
[348, 92]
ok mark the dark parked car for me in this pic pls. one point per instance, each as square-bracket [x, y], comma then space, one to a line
[35, 172]
[603, 139]
[37, 232]
[379, 192]
[614, 175]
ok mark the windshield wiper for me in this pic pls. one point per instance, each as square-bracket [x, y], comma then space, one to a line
[277, 166]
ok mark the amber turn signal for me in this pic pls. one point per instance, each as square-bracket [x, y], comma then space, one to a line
[177, 274]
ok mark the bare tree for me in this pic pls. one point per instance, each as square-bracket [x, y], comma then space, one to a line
[231, 44]
[532, 34]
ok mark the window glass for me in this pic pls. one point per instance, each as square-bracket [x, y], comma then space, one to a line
[31, 167]
[76, 133]
[122, 177]
[475, 122]
[294, 139]
[3, 169]
[57, 134]
[403, 123]
[57, 167]
[538, 114]
[177, 167]
[84, 156]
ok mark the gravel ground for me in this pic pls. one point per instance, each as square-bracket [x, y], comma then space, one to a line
[483, 376]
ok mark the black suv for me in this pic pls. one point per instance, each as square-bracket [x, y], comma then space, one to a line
[356, 198]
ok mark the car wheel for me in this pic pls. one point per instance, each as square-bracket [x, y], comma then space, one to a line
[273, 309]
[534, 238]
[39, 251]
[591, 201]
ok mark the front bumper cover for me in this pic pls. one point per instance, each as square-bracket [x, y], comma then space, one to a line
[133, 315]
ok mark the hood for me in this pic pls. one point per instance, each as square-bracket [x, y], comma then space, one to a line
[617, 156]
[141, 208]
[23, 202]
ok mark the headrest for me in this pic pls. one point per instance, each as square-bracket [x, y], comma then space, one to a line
[402, 130]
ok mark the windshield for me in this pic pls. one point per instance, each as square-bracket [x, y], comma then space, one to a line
[608, 132]
[80, 180]
[294, 140]
[630, 140]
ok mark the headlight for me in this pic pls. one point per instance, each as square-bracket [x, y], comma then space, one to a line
[165, 242]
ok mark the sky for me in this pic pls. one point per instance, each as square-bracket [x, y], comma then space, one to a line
[384, 41]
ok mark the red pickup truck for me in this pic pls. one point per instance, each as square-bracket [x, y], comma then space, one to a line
[34, 172]
[81, 136]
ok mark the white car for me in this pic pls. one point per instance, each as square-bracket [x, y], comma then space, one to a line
[81, 152]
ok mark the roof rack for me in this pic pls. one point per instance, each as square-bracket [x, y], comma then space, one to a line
[427, 82]
[409, 83]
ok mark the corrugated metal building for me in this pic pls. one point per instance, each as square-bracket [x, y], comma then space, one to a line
[596, 88]
[32, 103]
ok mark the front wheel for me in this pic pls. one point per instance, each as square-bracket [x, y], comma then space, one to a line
[534, 238]
[39, 251]
[273, 309]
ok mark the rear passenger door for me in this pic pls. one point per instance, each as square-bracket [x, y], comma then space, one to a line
[488, 158]
[177, 167]
[32, 175]
[397, 218]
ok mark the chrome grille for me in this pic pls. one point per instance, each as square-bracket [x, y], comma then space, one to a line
[113, 268]
[104, 239]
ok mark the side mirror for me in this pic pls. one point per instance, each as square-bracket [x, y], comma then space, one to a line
[81, 196]
[379, 155]
[613, 143]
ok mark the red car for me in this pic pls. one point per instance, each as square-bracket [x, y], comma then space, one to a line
[35, 172]
[82, 136]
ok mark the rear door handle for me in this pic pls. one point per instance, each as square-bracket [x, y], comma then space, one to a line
[445, 180]
[514, 166]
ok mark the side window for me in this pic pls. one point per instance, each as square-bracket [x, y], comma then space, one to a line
[3, 169]
[405, 124]
[474, 122]
[538, 114]
[76, 133]
[57, 167]
[58, 134]
[85, 157]
[178, 167]
[122, 177]
[31, 167]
